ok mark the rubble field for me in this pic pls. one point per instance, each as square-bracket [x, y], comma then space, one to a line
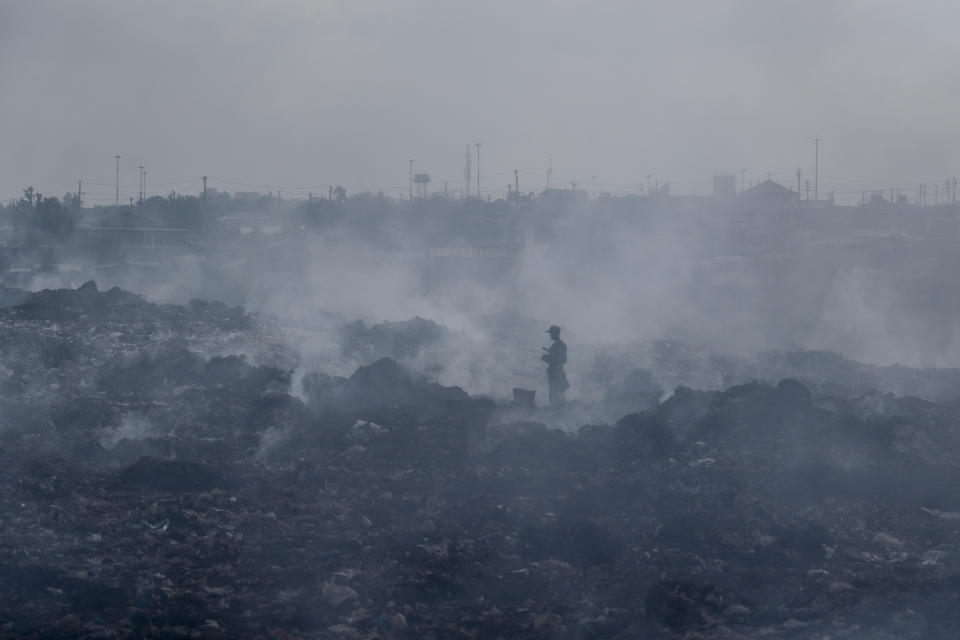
[158, 484]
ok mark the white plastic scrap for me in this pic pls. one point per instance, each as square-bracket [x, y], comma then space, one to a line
[887, 540]
[160, 526]
[946, 515]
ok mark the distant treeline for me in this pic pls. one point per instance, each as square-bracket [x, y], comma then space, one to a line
[41, 229]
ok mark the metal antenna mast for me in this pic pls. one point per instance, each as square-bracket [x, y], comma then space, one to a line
[118, 180]
[816, 170]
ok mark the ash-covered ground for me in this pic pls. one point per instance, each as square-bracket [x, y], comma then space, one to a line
[190, 471]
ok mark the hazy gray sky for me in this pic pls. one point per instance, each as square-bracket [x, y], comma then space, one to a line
[299, 95]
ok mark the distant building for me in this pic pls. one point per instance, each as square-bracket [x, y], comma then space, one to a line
[563, 198]
[421, 180]
[770, 193]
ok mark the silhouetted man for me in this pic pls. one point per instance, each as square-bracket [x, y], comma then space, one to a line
[556, 357]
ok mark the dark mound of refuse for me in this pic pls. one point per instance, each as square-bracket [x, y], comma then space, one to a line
[400, 340]
[11, 296]
[85, 299]
[172, 475]
[580, 542]
[154, 372]
[681, 604]
[387, 383]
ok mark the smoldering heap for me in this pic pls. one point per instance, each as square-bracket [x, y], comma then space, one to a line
[159, 485]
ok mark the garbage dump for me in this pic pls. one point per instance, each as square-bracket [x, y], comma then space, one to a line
[169, 472]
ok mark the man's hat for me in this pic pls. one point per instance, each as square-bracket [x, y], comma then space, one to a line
[553, 328]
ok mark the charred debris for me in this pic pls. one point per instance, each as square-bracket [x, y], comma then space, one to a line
[159, 484]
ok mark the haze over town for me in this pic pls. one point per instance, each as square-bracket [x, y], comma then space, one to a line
[297, 96]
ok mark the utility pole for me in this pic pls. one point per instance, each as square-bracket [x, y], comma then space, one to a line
[466, 173]
[478, 168]
[816, 170]
[798, 180]
[140, 195]
[118, 180]
[411, 178]
[79, 194]
[516, 181]
[203, 209]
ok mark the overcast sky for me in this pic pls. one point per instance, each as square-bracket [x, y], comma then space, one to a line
[299, 95]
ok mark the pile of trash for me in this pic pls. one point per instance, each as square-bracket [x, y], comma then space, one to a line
[159, 485]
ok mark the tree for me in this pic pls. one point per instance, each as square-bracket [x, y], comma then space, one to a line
[39, 218]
